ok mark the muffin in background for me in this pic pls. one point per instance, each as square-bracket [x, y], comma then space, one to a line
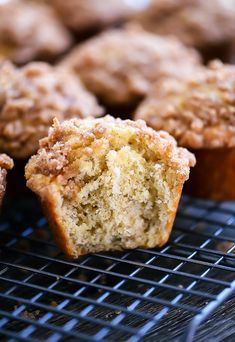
[91, 15]
[6, 163]
[31, 30]
[206, 25]
[108, 184]
[30, 97]
[120, 65]
[200, 113]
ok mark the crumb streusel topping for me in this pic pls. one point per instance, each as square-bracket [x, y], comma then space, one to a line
[199, 112]
[30, 30]
[120, 65]
[30, 97]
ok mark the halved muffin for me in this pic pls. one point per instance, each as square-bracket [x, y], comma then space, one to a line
[108, 184]
[6, 163]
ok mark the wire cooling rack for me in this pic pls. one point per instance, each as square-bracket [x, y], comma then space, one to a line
[126, 296]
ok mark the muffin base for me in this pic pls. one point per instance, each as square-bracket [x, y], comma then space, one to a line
[213, 177]
[61, 236]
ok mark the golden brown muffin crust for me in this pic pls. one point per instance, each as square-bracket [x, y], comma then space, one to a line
[195, 22]
[30, 30]
[120, 65]
[6, 163]
[199, 112]
[30, 97]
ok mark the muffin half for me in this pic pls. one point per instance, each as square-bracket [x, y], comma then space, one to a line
[200, 113]
[108, 184]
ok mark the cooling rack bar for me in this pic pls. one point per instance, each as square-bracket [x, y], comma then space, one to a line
[207, 312]
[140, 280]
[130, 296]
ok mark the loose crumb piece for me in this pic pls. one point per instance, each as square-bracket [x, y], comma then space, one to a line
[31, 315]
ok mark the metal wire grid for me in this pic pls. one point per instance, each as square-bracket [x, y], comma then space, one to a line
[109, 296]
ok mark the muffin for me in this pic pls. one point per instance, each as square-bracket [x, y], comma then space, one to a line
[89, 15]
[30, 30]
[120, 65]
[197, 23]
[200, 113]
[30, 97]
[108, 184]
[6, 163]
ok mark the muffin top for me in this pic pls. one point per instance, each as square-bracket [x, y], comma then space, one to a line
[199, 112]
[82, 15]
[30, 97]
[120, 65]
[195, 22]
[30, 30]
[95, 137]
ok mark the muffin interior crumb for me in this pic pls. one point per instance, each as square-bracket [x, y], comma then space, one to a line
[124, 201]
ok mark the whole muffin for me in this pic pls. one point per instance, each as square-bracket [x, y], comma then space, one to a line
[30, 30]
[200, 23]
[6, 163]
[87, 15]
[108, 184]
[200, 114]
[119, 66]
[30, 97]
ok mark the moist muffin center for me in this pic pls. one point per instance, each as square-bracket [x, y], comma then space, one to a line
[126, 194]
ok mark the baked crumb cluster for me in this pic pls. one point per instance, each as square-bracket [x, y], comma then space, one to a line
[195, 22]
[6, 163]
[30, 29]
[30, 97]
[108, 184]
[199, 112]
[120, 65]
